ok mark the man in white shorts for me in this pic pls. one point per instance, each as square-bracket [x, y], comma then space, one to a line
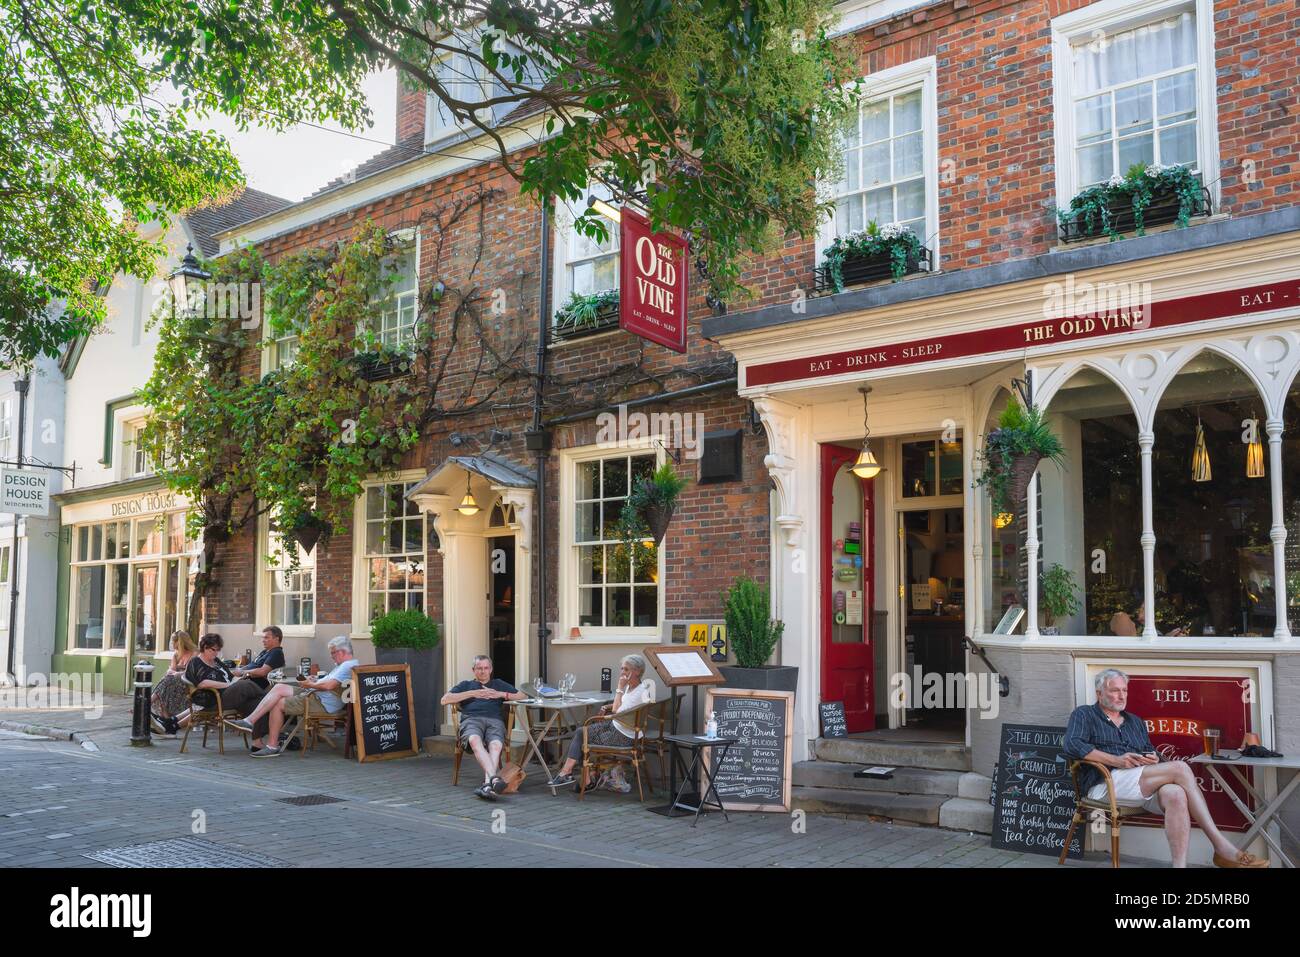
[1108, 734]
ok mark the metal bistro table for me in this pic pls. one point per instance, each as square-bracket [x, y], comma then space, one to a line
[697, 744]
[557, 707]
[1267, 813]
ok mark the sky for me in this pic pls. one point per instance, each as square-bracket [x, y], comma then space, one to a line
[300, 161]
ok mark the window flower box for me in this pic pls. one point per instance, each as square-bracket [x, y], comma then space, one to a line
[383, 364]
[877, 252]
[1144, 197]
[586, 315]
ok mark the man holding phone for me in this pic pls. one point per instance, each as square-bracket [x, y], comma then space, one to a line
[1107, 733]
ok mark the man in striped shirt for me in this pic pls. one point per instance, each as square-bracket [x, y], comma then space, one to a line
[1108, 734]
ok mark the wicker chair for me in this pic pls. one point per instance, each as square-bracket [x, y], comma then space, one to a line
[316, 719]
[659, 724]
[207, 717]
[1084, 807]
[601, 757]
[507, 715]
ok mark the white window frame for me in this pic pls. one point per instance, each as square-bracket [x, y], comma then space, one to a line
[397, 298]
[470, 72]
[1114, 16]
[130, 467]
[918, 74]
[6, 569]
[266, 587]
[360, 573]
[570, 459]
[561, 283]
[7, 451]
[132, 562]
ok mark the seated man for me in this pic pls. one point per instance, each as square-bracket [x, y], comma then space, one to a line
[269, 659]
[1108, 734]
[282, 701]
[480, 720]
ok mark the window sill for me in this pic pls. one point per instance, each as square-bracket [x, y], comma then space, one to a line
[609, 640]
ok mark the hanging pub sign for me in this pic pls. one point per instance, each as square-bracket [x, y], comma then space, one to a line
[652, 282]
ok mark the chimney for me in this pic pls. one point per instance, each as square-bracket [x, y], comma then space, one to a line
[410, 113]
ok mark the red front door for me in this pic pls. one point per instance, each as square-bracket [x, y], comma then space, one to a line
[847, 586]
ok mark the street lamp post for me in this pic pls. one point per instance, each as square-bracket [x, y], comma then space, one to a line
[189, 281]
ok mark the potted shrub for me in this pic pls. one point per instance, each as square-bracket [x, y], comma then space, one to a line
[590, 313]
[648, 511]
[409, 637]
[876, 252]
[1012, 452]
[753, 636]
[1056, 597]
[1144, 196]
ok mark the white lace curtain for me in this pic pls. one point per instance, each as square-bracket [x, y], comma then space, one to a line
[1105, 60]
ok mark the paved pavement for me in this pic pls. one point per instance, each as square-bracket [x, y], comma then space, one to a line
[61, 801]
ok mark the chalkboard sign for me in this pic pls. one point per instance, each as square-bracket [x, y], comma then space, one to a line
[755, 776]
[382, 712]
[1033, 795]
[833, 723]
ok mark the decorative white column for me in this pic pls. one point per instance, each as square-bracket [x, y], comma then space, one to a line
[1277, 533]
[1146, 439]
[791, 462]
[1031, 557]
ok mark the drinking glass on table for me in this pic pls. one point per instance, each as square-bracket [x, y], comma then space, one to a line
[567, 683]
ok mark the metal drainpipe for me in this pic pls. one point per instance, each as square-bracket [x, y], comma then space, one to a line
[540, 439]
[20, 386]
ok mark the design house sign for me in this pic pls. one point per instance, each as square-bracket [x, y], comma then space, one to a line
[652, 282]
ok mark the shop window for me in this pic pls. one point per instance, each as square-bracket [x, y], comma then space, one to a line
[931, 467]
[615, 588]
[395, 556]
[1091, 518]
[1212, 505]
[1290, 498]
[131, 580]
[1004, 554]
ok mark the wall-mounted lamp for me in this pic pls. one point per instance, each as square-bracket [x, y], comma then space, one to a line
[605, 209]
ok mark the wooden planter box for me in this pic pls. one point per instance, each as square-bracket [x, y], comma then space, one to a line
[858, 270]
[1162, 211]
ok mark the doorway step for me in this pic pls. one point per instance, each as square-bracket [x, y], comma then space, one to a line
[932, 783]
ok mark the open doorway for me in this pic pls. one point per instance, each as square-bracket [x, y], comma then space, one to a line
[501, 608]
[931, 569]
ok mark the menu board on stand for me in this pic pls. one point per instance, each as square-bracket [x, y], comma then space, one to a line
[382, 712]
[755, 774]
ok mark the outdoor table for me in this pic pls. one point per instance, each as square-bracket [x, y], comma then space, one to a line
[1267, 812]
[697, 744]
[557, 706]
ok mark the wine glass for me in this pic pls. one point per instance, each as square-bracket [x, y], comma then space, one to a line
[567, 683]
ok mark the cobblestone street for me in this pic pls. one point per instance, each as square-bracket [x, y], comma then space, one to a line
[61, 801]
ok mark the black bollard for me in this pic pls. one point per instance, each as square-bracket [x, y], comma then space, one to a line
[140, 730]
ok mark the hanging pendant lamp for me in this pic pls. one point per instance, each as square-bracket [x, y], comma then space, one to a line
[1200, 456]
[866, 466]
[467, 505]
[1254, 452]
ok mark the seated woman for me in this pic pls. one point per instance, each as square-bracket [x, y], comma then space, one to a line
[1122, 624]
[632, 693]
[171, 699]
[208, 673]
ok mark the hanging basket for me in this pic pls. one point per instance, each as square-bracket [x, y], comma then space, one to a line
[658, 517]
[1021, 471]
[308, 532]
